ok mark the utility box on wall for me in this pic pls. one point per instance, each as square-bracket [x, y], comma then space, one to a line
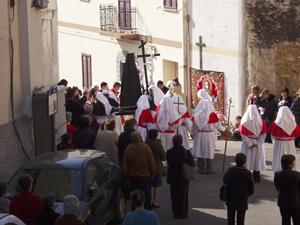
[49, 118]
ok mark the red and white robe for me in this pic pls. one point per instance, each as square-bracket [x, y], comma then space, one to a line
[145, 123]
[283, 144]
[256, 159]
[204, 139]
[184, 129]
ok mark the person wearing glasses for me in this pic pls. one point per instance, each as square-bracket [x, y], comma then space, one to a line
[267, 107]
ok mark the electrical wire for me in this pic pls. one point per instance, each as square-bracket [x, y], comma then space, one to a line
[11, 44]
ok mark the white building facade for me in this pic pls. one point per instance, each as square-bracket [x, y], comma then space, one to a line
[87, 52]
[220, 23]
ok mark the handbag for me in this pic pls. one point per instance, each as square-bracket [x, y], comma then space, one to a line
[187, 170]
[223, 193]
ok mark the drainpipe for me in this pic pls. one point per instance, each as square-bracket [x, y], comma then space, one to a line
[186, 54]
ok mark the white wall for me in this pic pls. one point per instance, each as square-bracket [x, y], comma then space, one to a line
[79, 27]
[219, 22]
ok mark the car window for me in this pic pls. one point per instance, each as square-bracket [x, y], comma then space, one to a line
[94, 176]
[60, 182]
[108, 166]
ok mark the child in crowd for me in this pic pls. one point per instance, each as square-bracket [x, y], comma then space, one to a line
[236, 133]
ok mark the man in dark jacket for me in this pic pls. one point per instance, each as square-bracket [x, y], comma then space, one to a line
[179, 187]
[125, 137]
[47, 216]
[139, 167]
[287, 182]
[75, 108]
[84, 137]
[239, 186]
[267, 107]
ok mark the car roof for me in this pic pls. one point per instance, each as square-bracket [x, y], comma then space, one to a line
[63, 159]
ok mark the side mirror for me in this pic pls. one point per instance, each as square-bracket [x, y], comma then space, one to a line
[92, 192]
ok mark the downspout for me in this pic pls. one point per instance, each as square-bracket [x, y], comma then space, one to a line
[186, 54]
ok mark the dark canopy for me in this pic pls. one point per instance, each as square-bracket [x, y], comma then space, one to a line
[131, 87]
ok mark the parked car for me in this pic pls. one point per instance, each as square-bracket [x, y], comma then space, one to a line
[88, 174]
[6, 218]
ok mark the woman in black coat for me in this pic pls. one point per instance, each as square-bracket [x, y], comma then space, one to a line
[287, 182]
[239, 186]
[284, 99]
[179, 187]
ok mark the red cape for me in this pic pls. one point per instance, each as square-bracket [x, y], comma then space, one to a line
[213, 118]
[186, 115]
[244, 131]
[146, 117]
[279, 132]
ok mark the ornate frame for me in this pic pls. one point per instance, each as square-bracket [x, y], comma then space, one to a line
[217, 78]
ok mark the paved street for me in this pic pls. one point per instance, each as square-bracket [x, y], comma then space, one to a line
[206, 208]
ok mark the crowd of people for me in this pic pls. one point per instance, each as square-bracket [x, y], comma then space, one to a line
[155, 142]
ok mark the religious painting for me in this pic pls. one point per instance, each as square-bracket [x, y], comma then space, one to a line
[212, 82]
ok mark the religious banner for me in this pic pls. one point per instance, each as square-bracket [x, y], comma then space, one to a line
[212, 82]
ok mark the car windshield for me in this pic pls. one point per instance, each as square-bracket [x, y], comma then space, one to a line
[58, 182]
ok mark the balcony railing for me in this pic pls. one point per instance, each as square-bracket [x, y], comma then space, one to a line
[123, 24]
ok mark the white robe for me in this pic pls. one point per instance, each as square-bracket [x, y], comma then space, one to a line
[204, 142]
[166, 138]
[119, 126]
[282, 148]
[143, 131]
[256, 159]
[183, 130]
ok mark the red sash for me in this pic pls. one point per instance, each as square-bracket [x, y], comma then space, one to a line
[167, 132]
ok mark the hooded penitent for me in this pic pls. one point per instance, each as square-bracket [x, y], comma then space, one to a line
[131, 88]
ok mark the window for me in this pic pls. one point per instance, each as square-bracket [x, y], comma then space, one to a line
[170, 4]
[108, 167]
[124, 14]
[86, 70]
[94, 176]
[60, 182]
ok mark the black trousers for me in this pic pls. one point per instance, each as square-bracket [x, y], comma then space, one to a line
[287, 214]
[256, 175]
[145, 186]
[240, 217]
[179, 198]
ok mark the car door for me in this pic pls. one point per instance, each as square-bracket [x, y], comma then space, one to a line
[99, 204]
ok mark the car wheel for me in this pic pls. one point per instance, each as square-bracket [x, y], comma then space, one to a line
[121, 210]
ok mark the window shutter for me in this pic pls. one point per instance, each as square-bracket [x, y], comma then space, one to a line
[86, 70]
[170, 4]
[89, 71]
[173, 4]
[124, 14]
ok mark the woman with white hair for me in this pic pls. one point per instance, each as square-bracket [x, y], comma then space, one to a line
[71, 204]
[253, 131]
[283, 130]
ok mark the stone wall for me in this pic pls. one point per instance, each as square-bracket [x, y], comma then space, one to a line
[12, 157]
[272, 57]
